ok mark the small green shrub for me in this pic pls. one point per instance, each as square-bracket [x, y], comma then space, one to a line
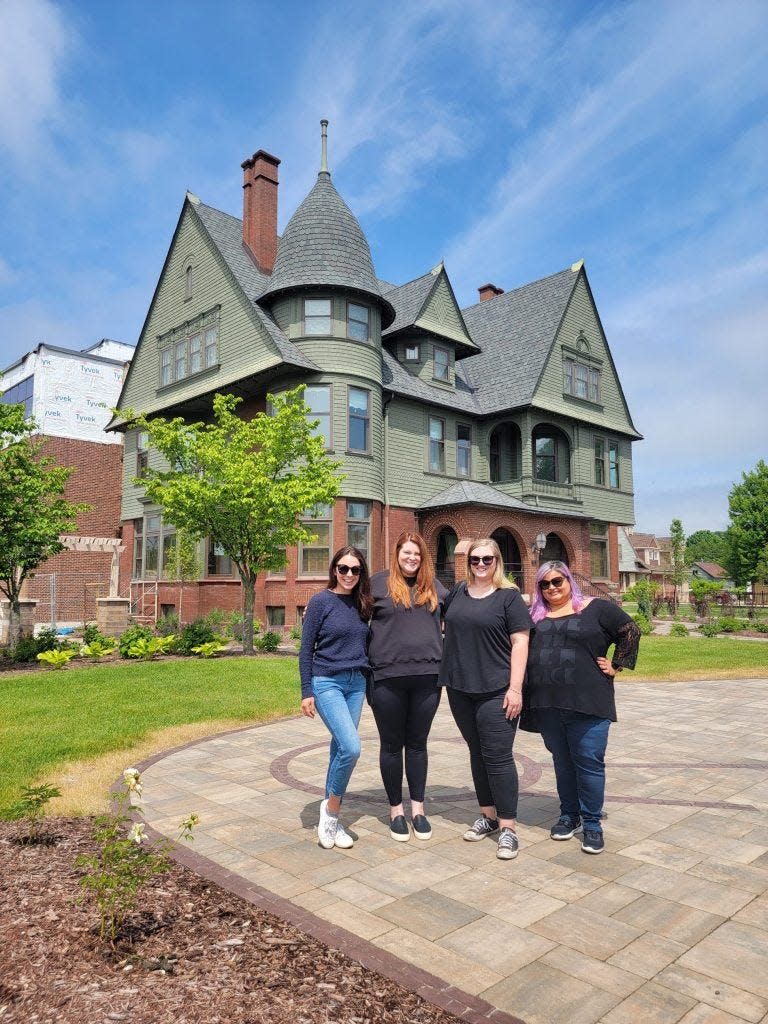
[194, 634]
[130, 636]
[643, 623]
[31, 807]
[167, 624]
[761, 626]
[234, 626]
[56, 659]
[92, 632]
[709, 629]
[678, 629]
[216, 620]
[209, 650]
[149, 649]
[28, 647]
[268, 642]
[295, 632]
[730, 624]
[98, 649]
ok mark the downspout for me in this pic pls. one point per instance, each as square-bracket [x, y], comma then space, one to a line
[385, 480]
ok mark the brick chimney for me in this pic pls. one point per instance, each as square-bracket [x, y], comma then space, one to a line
[489, 291]
[260, 208]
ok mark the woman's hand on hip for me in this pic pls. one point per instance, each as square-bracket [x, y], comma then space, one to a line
[513, 703]
[605, 666]
[308, 707]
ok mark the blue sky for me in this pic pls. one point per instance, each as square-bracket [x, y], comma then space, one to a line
[510, 139]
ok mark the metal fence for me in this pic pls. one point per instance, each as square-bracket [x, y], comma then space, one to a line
[66, 597]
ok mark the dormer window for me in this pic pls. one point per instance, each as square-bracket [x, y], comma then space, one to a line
[412, 354]
[317, 317]
[442, 363]
[580, 380]
[358, 322]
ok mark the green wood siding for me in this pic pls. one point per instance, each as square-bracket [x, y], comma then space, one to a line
[243, 345]
[288, 313]
[441, 314]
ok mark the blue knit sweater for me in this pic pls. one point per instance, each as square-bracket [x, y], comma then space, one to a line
[333, 638]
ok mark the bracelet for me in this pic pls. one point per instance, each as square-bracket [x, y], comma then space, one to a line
[514, 690]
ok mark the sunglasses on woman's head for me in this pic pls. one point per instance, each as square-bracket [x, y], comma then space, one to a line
[343, 570]
[556, 583]
[481, 559]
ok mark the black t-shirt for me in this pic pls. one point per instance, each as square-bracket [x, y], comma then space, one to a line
[476, 655]
[562, 661]
[403, 641]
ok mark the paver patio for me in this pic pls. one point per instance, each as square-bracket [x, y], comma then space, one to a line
[669, 924]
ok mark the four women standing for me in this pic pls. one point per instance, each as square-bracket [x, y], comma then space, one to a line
[568, 694]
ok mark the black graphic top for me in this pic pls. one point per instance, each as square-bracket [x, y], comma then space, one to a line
[562, 661]
[476, 656]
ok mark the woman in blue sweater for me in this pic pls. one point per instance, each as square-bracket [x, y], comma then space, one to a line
[331, 661]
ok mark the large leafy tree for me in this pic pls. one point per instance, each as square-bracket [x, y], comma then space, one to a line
[243, 483]
[33, 509]
[707, 546]
[748, 533]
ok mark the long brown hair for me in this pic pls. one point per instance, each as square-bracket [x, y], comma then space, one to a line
[424, 590]
[362, 591]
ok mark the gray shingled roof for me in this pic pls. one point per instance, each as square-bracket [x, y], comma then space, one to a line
[324, 245]
[515, 332]
[226, 233]
[466, 492]
[395, 377]
[408, 300]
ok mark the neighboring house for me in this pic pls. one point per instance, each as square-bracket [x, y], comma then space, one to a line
[506, 418]
[631, 568]
[711, 572]
[647, 551]
[71, 394]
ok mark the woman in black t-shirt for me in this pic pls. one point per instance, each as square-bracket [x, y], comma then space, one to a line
[404, 648]
[486, 646]
[569, 696]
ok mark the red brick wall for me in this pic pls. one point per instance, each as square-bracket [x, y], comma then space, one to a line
[97, 480]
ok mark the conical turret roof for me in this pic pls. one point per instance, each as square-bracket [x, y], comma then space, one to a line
[323, 246]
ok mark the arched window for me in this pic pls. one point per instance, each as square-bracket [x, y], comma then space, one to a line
[551, 454]
[504, 453]
[510, 553]
[188, 282]
[445, 562]
[554, 550]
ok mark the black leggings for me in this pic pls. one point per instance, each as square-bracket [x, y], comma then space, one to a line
[404, 711]
[489, 734]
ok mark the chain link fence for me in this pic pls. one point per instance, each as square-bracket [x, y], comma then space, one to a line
[66, 598]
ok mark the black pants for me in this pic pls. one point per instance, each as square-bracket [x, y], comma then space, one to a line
[489, 734]
[404, 711]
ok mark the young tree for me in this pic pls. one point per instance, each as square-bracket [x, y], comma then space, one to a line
[748, 533]
[677, 558]
[243, 483]
[33, 510]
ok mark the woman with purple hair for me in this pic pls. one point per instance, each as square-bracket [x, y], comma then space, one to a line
[568, 696]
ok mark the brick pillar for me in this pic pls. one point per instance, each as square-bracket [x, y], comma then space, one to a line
[112, 614]
[26, 622]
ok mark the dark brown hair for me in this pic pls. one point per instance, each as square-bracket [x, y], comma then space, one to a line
[362, 590]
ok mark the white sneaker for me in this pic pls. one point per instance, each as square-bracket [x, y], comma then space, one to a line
[343, 839]
[327, 827]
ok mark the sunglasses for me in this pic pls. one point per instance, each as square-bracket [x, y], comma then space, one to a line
[344, 570]
[481, 559]
[557, 582]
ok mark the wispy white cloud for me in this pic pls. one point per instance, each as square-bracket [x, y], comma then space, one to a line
[35, 46]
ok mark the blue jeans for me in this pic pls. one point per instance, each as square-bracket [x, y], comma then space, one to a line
[577, 744]
[339, 702]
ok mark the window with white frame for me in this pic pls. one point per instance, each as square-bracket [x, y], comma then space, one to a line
[598, 550]
[412, 354]
[190, 349]
[358, 322]
[463, 449]
[441, 369]
[317, 317]
[358, 433]
[142, 453]
[436, 445]
[607, 463]
[318, 398]
[359, 525]
[315, 556]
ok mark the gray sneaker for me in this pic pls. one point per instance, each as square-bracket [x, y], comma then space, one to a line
[508, 845]
[482, 827]
[327, 827]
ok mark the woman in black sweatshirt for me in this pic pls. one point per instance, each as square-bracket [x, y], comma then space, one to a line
[405, 648]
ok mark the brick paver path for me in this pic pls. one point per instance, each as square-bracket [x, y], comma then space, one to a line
[669, 924]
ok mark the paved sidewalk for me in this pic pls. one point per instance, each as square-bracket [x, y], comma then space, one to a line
[669, 924]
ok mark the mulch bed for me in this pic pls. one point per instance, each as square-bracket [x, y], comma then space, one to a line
[192, 953]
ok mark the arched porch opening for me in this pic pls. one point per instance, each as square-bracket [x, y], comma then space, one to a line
[554, 550]
[510, 553]
[445, 560]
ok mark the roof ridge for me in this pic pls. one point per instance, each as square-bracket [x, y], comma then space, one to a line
[513, 291]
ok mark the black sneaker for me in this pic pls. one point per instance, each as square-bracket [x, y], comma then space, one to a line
[482, 827]
[565, 827]
[421, 827]
[592, 841]
[398, 829]
[508, 845]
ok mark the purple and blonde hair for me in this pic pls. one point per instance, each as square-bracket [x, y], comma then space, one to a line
[539, 608]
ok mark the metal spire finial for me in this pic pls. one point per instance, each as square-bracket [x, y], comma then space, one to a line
[324, 156]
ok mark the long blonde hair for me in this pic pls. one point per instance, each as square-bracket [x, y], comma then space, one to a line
[499, 580]
[424, 591]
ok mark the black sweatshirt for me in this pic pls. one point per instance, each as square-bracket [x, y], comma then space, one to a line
[403, 641]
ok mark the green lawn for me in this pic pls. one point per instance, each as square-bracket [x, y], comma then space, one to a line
[50, 718]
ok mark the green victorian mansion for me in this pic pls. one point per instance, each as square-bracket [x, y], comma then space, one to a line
[504, 419]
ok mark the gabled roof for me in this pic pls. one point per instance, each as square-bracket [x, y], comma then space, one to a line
[643, 540]
[515, 332]
[712, 569]
[467, 492]
[323, 245]
[412, 301]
